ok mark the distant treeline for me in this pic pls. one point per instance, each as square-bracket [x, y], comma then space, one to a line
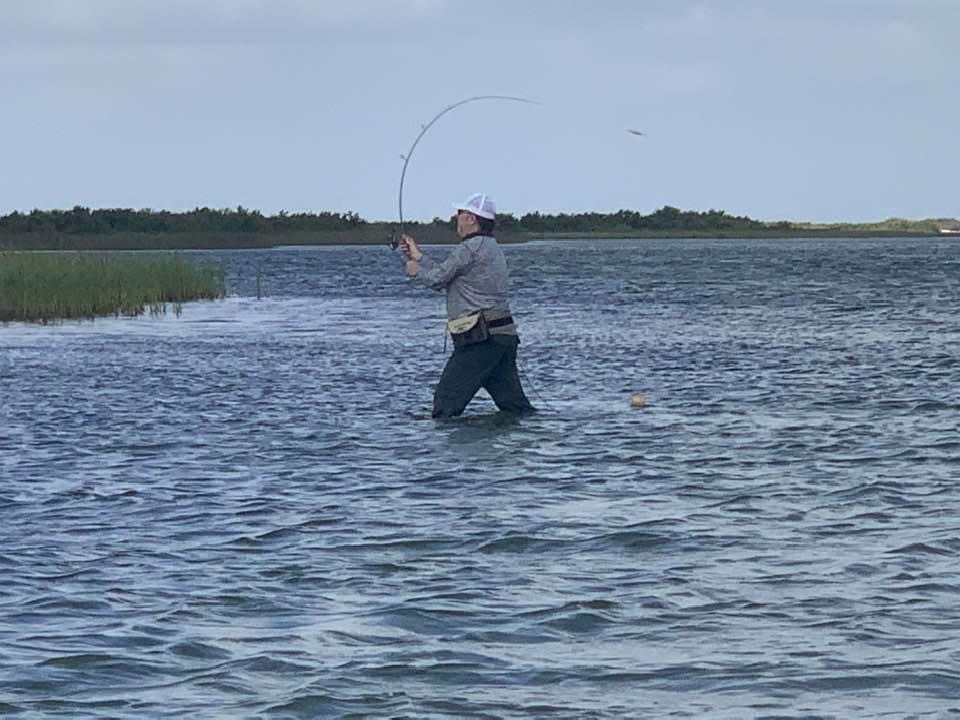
[84, 228]
[665, 219]
[84, 221]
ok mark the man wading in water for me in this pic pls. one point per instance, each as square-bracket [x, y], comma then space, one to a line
[485, 340]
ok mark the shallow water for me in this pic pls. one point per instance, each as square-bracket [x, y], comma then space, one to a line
[233, 514]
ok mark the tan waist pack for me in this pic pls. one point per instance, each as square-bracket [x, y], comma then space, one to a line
[468, 329]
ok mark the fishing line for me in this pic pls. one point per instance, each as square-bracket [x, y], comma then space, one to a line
[526, 380]
[395, 240]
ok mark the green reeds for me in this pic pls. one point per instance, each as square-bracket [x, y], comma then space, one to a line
[47, 287]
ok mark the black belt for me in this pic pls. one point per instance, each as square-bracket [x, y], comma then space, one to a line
[500, 322]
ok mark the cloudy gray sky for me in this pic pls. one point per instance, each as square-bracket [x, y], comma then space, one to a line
[793, 109]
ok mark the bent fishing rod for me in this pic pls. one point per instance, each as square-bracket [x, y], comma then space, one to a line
[395, 239]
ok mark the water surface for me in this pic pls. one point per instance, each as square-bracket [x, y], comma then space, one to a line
[232, 513]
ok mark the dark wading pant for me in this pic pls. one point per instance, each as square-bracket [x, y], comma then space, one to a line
[492, 365]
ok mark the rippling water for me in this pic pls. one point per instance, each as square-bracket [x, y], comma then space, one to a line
[233, 514]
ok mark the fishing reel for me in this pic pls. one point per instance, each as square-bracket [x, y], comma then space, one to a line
[393, 240]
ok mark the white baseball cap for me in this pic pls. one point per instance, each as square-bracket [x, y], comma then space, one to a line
[480, 205]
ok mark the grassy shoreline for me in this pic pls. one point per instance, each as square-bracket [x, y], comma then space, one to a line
[51, 287]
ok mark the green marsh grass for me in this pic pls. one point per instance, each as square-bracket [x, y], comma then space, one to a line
[49, 287]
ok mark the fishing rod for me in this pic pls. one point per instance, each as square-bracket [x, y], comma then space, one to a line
[395, 239]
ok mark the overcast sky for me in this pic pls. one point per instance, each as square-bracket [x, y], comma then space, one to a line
[818, 110]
